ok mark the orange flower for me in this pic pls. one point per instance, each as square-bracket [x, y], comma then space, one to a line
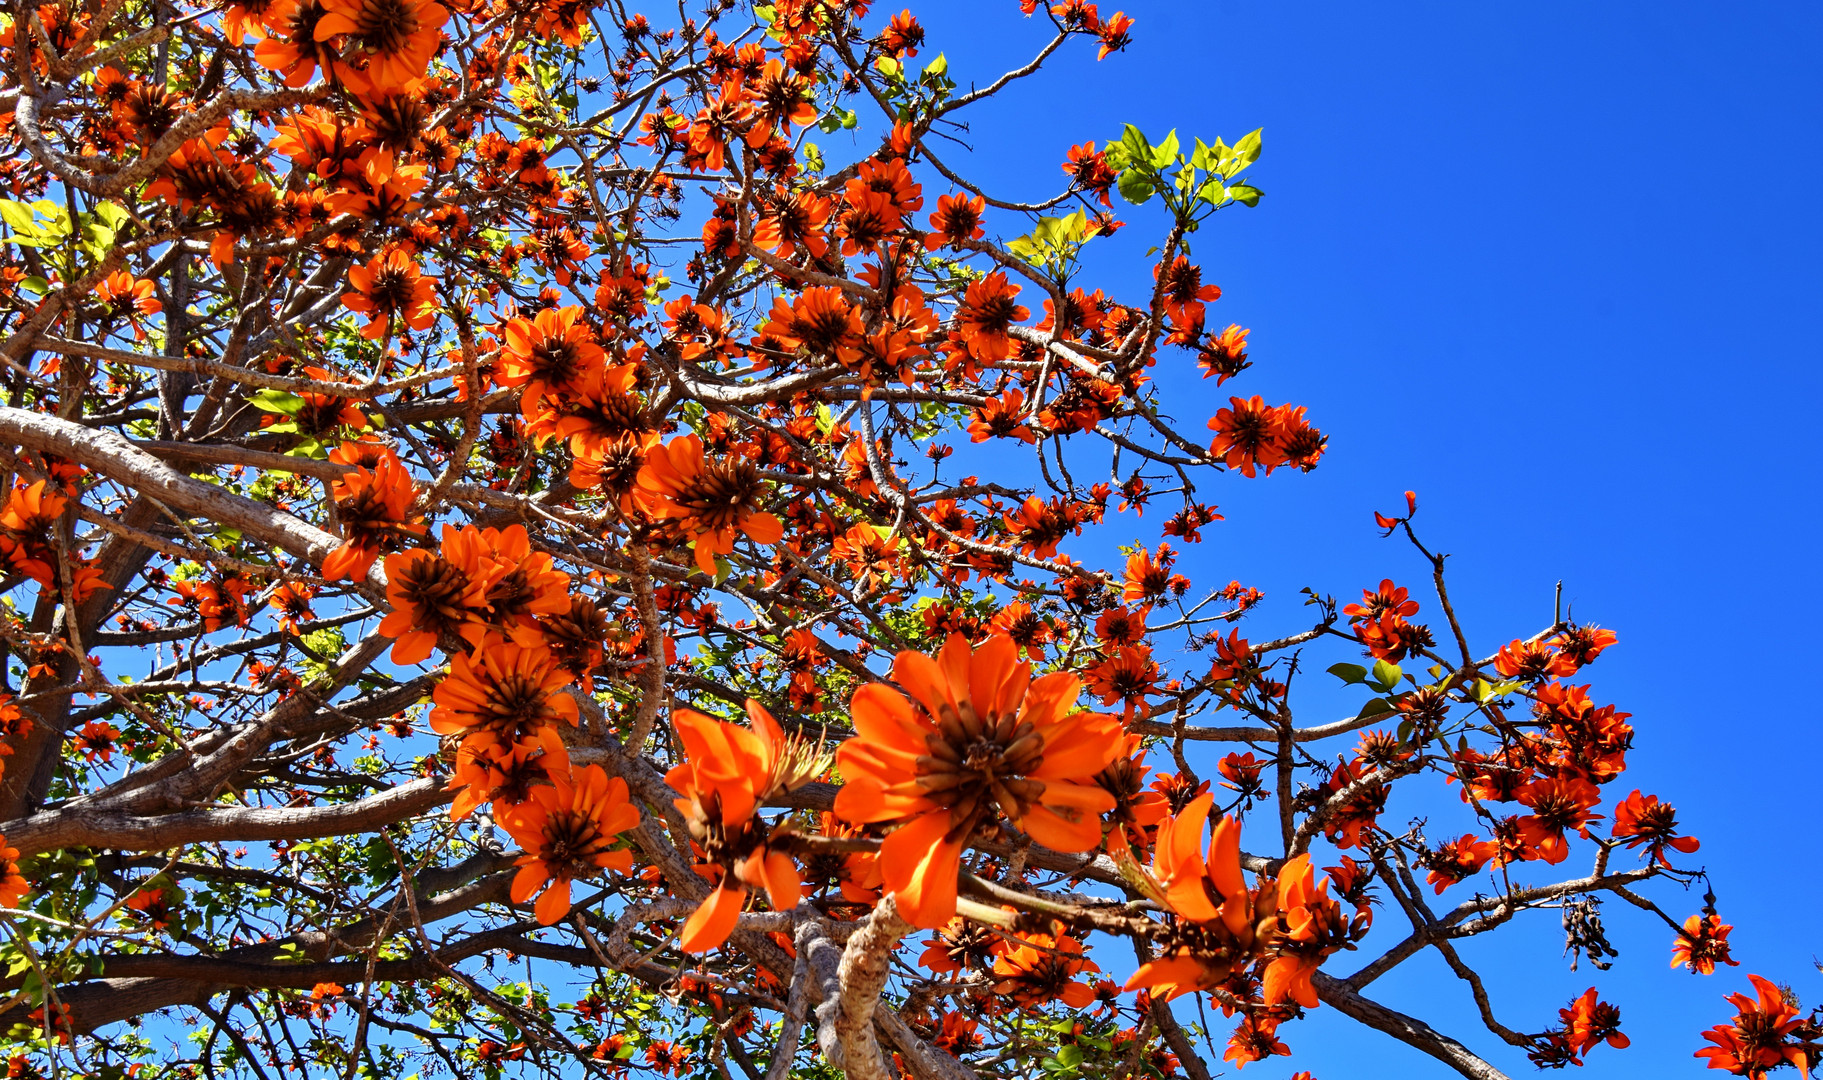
[728, 774]
[1183, 290]
[1458, 860]
[1255, 1039]
[320, 414]
[978, 738]
[568, 829]
[548, 353]
[1115, 34]
[1247, 435]
[1759, 1038]
[962, 945]
[602, 407]
[1702, 944]
[819, 322]
[1580, 645]
[399, 37]
[956, 220]
[378, 189]
[989, 309]
[1533, 661]
[1034, 971]
[373, 505]
[483, 775]
[712, 501]
[855, 873]
[1127, 677]
[1137, 808]
[1221, 927]
[25, 525]
[390, 286]
[1001, 418]
[1652, 823]
[433, 597]
[294, 49]
[783, 98]
[1589, 1021]
[578, 638]
[500, 696]
[1224, 355]
[1038, 526]
[522, 584]
[1028, 629]
[128, 296]
[155, 900]
[872, 555]
[98, 739]
[13, 886]
[292, 602]
[1148, 578]
[219, 604]
[794, 223]
[1558, 804]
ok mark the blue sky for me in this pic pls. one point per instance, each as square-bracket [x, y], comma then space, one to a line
[1555, 267]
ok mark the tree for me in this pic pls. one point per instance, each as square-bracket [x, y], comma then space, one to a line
[461, 612]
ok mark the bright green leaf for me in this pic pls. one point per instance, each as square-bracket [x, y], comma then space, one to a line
[1166, 152]
[1136, 187]
[1246, 194]
[1386, 676]
[276, 401]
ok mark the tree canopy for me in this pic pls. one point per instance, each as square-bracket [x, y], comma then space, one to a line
[545, 537]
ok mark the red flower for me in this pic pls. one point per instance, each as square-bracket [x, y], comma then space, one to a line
[1702, 944]
[1759, 1038]
[1652, 823]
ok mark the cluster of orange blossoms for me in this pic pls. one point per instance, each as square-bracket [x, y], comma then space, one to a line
[1245, 944]
[516, 638]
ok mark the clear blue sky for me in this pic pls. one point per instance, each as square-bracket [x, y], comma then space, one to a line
[1557, 268]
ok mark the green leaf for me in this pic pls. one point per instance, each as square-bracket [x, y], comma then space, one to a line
[1374, 707]
[1212, 192]
[1246, 194]
[1136, 187]
[19, 216]
[1247, 150]
[36, 284]
[1349, 673]
[1205, 157]
[112, 214]
[97, 239]
[1070, 1056]
[1386, 676]
[1134, 142]
[1166, 152]
[276, 401]
[936, 67]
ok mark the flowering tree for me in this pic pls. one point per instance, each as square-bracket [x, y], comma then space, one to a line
[486, 582]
